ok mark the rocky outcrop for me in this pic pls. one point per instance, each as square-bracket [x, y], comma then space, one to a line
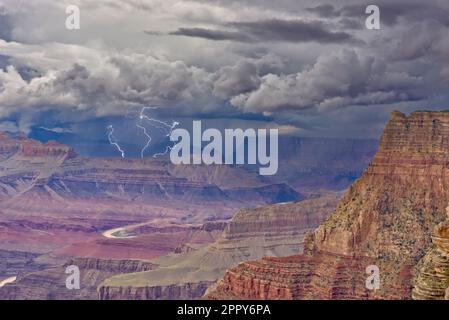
[386, 218]
[27, 148]
[50, 284]
[55, 203]
[110, 265]
[275, 230]
[432, 281]
[13, 263]
[310, 277]
[184, 291]
[31, 148]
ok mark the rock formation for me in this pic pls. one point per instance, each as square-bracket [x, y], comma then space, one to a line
[275, 230]
[432, 282]
[51, 198]
[32, 170]
[55, 204]
[385, 219]
[50, 284]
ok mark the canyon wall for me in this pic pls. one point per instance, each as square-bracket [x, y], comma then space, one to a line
[50, 284]
[386, 219]
[55, 205]
[432, 280]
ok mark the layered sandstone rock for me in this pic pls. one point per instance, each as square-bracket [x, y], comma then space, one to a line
[432, 282]
[31, 148]
[183, 291]
[54, 203]
[275, 230]
[51, 283]
[386, 219]
[32, 173]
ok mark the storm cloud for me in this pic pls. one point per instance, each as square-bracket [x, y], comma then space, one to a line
[209, 34]
[336, 80]
[392, 11]
[273, 30]
[287, 62]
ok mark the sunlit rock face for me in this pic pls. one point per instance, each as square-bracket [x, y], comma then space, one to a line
[432, 281]
[386, 219]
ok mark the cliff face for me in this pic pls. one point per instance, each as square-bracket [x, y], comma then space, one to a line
[391, 210]
[275, 230]
[385, 219]
[28, 148]
[184, 291]
[432, 281]
[31, 148]
[55, 204]
[50, 283]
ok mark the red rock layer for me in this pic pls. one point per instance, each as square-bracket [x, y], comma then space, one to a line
[317, 276]
[386, 218]
[31, 148]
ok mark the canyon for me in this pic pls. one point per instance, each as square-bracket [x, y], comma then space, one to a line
[56, 206]
[386, 218]
[276, 230]
[255, 150]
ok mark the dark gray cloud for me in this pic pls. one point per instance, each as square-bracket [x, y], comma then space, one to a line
[338, 79]
[209, 34]
[273, 30]
[391, 11]
[231, 81]
[293, 31]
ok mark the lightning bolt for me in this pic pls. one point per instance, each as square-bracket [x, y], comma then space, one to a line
[165, 126]
[148, 141]
[113, 140]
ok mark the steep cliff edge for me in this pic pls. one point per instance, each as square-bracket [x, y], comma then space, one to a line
[385, 219]
[432, 281]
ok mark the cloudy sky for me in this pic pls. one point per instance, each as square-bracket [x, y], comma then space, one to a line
[308, 67]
